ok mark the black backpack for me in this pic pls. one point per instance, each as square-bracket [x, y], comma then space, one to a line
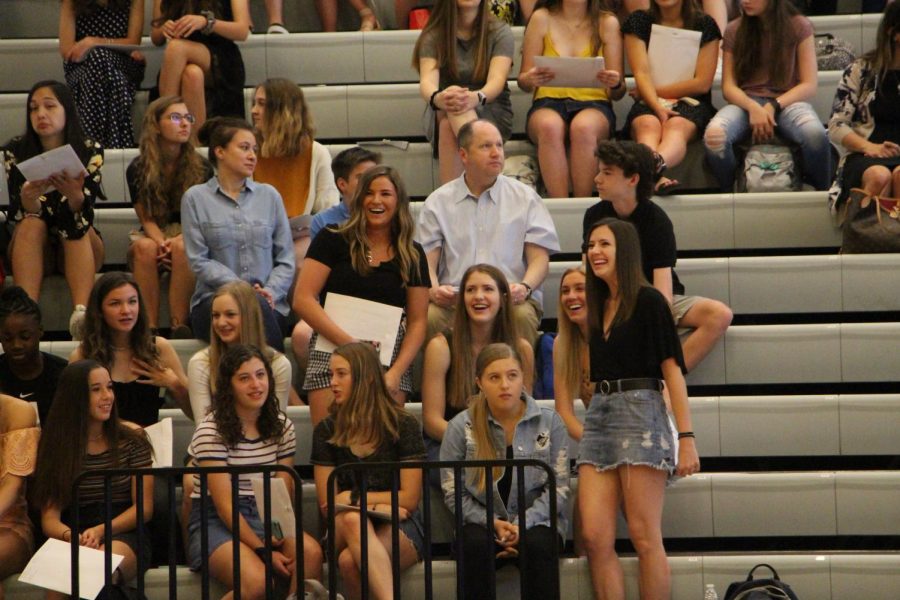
[760, 589]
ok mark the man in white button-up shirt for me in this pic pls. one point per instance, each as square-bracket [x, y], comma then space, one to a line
[486, 217]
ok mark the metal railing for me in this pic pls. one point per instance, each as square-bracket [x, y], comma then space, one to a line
[361, 474]
[170, 475]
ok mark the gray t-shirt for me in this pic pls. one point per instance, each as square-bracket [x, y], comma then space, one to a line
[500, 43]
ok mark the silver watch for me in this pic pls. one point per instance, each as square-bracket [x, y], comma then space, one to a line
[210, 21]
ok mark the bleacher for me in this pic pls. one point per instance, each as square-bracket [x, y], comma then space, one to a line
[796, 409]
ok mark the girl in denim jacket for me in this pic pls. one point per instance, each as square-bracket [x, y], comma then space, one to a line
[501, 416]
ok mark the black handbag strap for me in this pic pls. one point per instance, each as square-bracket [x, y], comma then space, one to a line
[768, 566]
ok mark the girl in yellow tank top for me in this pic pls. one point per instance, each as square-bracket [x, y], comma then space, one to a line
[580, 117]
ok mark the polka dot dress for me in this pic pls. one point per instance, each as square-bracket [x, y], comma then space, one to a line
[105, 81]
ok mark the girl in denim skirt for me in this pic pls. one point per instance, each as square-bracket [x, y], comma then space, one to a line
[627, 452]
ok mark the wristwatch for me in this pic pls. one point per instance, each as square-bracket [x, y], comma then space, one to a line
[210, 21]
[529, 288]
[482, 99]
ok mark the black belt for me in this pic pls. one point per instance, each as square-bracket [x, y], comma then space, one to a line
[612, 386]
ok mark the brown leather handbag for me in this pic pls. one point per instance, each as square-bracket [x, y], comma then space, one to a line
[870, 224]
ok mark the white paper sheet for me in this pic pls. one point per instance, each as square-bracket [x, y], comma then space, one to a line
[42, 166]
[282, 509]
[51, 568]
[364, 320]
[672, 54]
[160, 435]
[569, 71]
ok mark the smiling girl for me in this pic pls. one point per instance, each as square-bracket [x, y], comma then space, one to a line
[373, 257]
[84, 433]
[571, 371]
[56, 213]
[142, 366]
[483, 316]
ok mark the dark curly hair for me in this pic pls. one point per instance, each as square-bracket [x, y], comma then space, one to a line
[634, 159]
[269, 422]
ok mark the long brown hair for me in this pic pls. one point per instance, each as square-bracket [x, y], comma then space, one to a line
[690, 13]
[462, 366]
[64, 437]
[402, 227]
[774, 26]
[287, 125]
[228, 424]
[369, 415]
[97, 342]
[629, 275]
[159, 193]
[252, 328]
[479, 412]
[570, 343]
[881, 57]
[442, 28]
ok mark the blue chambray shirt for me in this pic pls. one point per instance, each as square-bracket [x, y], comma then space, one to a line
[247, 239]
[540, 434]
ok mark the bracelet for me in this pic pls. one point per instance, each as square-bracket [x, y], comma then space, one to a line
[431, 100]
[618, 85]
[529, 288]
[210, 21]
[686, 434]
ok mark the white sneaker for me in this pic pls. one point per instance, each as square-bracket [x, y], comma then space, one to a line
[277, 28]
[317, 591]
[76, 322]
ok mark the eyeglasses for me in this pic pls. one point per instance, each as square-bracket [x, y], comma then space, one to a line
[177, 118]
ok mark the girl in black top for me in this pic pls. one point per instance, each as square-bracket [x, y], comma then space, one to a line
[627, 453]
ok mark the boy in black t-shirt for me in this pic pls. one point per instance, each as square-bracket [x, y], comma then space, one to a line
[625, 184]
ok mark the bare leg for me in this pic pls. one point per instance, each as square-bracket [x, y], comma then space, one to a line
[181, 284]
[585, 131]
[647, 130]
[895, 183]
[548, 131]
[14, 555]
[79, 268]
[599, 496]
[676, 133]
[643, 489]
[348, 528]
[253, 572]
[274, 11]
[327, 10]
[27, 249]
[710, 320]
[128, 566]
[401, 12]
[175, 78]
[142, 253]
[300, 345]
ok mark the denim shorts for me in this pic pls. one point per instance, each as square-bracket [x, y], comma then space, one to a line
[628, 428]
[218, 533]
[568, 108]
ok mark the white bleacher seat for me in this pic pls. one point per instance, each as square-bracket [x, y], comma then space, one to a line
[115, 225]
[867, 349]
[869, 32]
[873, 577]
[385, 110]
[703, 219]
[387, 56]
[711, 369]
[802, 220]
[12, 115]
[113, 173]
[744, 504]
[688, 509]
[329, 108]
[807, 574]
[869, 423]
[779, 425]
[315, 58]
[783, 354]
[870, 281]
[846, 27]
[414, 163]
[25, 62]
[707, 277]
[864, 503]
[784, 284]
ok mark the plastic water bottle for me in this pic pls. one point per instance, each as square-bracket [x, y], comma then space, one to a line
[710, 593]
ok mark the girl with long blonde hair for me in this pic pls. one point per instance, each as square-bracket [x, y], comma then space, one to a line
[157, 179]
[571, 370]
[373, 257]
[504, 421]
[366, 425]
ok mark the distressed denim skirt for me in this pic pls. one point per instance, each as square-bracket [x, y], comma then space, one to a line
[628, 428]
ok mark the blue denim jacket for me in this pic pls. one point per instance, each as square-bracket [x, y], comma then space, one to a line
[541, 435]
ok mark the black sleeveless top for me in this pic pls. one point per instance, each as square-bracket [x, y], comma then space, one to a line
[138, 402]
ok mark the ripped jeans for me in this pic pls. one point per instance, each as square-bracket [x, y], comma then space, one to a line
[797, 123]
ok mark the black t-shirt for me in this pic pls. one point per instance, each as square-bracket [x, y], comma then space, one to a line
[637, 347]
[39, 390]
[655, 231]
[384, 283]
[409, 446]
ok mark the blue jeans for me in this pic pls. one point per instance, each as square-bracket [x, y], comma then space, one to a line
[798, 123]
